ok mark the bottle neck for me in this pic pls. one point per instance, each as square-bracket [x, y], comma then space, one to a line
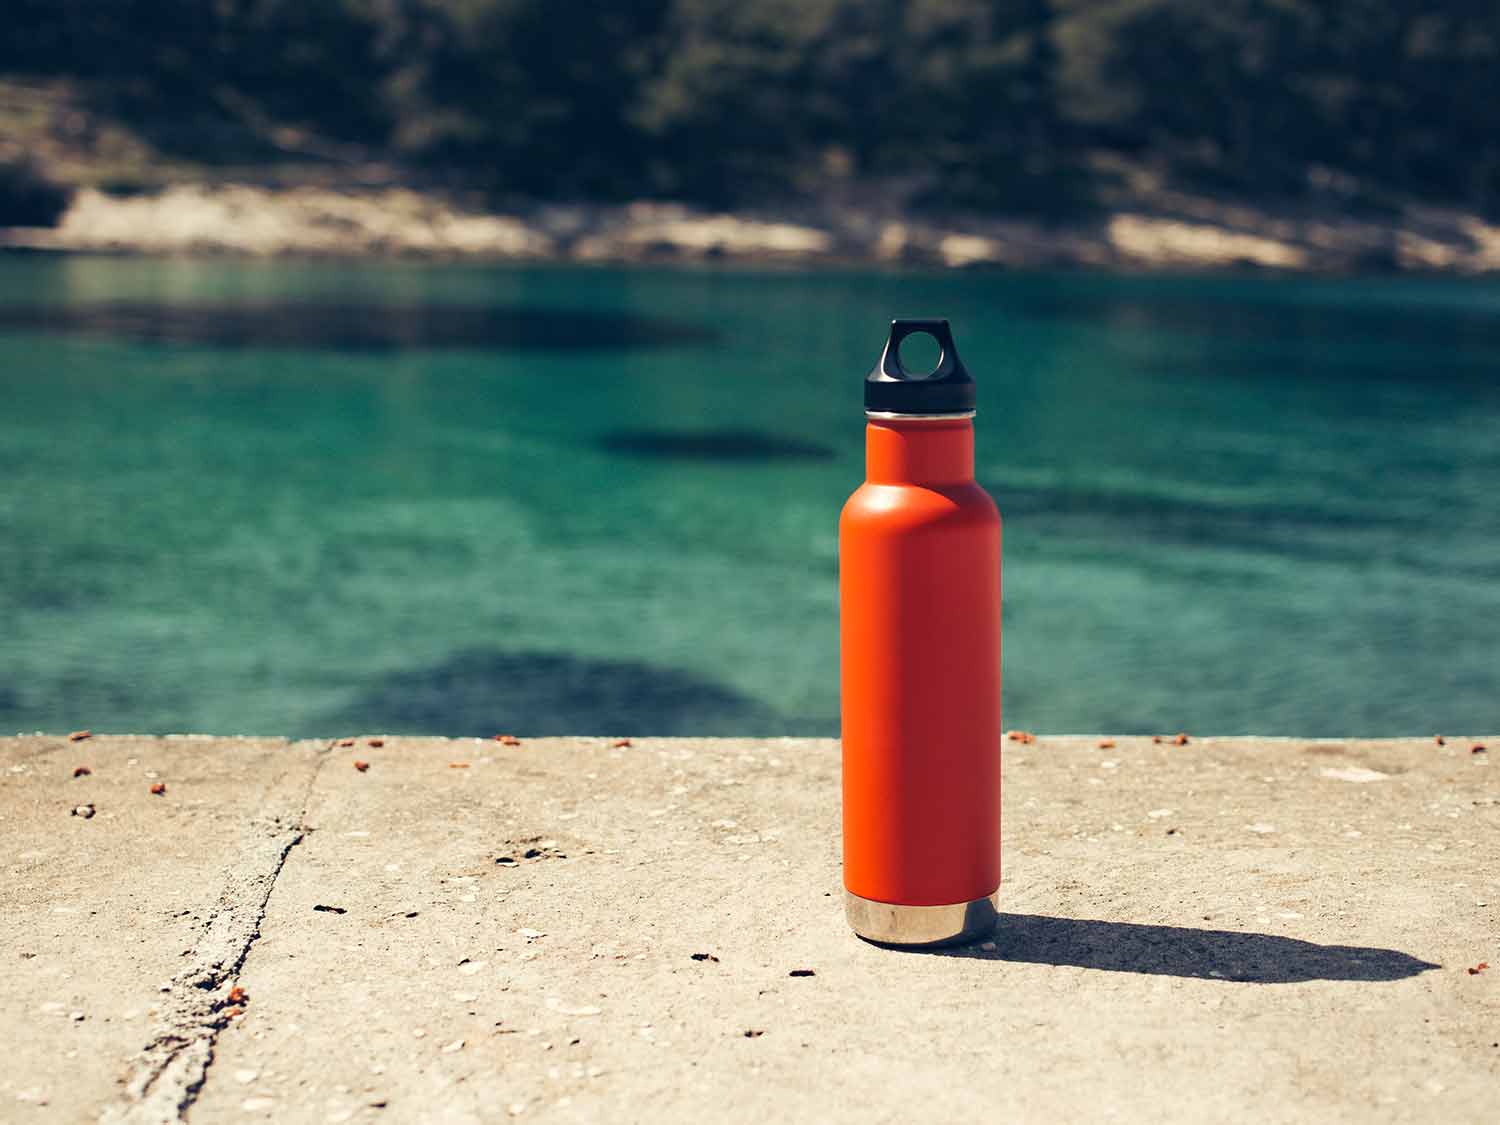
[919, 450]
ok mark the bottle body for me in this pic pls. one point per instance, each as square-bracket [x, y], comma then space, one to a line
[919, 594]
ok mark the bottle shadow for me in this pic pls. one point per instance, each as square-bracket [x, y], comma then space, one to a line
[1182, 951]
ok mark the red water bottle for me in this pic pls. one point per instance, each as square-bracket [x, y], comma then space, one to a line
[919, 625]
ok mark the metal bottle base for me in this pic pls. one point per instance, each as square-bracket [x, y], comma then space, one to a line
[889, 923]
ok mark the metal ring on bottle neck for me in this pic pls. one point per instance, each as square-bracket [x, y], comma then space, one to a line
[884, 414]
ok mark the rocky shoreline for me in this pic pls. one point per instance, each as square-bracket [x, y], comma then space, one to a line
[1168, 232]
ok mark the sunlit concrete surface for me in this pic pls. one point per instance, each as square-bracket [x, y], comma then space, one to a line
[570, 929]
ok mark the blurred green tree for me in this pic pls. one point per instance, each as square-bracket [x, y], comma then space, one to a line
[1008, 104]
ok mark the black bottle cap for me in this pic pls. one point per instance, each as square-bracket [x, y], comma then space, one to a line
[891, 389]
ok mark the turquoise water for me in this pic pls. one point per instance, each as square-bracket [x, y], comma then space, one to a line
[312, 499]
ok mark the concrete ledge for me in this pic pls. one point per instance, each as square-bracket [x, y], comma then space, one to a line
[1233, 928]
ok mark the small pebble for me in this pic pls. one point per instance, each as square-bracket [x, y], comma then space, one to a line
[1359, 775]
[85, 811]
[450, 1048]
[556, 1005]
[80, 735]
[245, 1077]
[361, 766]
[81, 771]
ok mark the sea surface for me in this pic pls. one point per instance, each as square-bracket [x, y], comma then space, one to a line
[319, 499]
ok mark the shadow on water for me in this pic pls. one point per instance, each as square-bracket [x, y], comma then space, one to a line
[1304, 530]
[1261, 313]
[712, 445]
[483, 692]
[1181, 951]
[356, 327]
[1167, 514]
[1474, 376]
[1168, 510]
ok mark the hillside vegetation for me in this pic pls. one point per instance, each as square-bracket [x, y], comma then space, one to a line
[1041, 107]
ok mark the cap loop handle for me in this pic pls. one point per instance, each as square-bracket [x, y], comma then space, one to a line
[891, 389]
[890, 359]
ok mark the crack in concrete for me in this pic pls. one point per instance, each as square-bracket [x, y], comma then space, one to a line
[166, 1075]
